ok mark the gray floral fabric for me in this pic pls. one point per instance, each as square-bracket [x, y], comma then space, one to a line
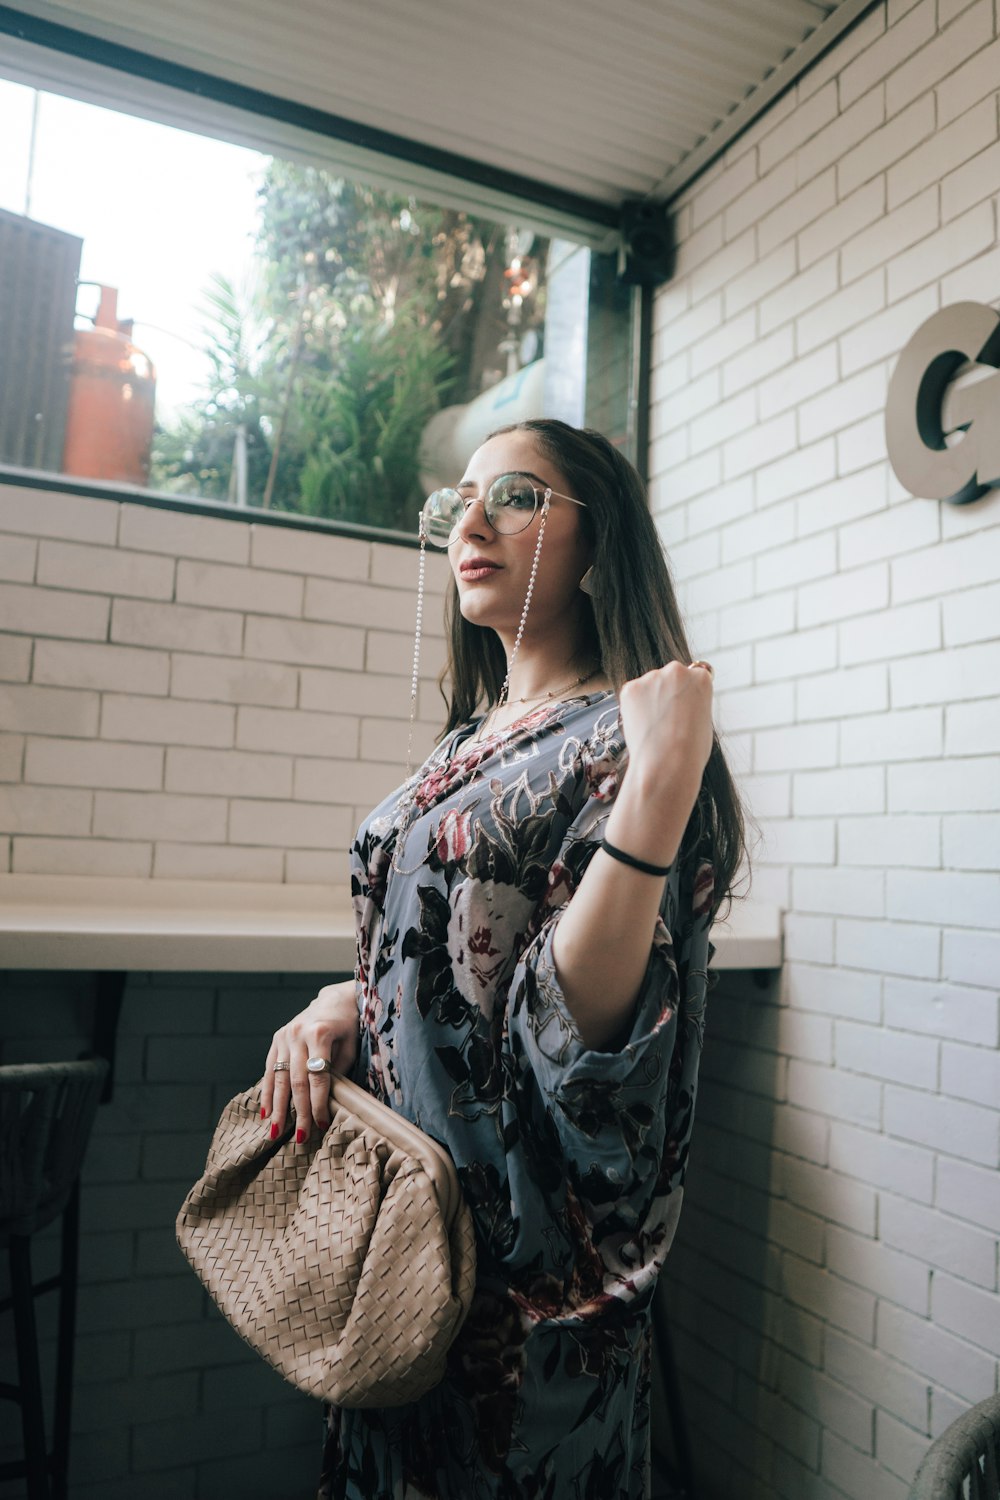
[572, 1160]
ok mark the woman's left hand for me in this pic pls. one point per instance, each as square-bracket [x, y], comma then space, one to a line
[666, 719]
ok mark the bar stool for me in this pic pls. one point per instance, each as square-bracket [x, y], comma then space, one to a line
[965, 1459]
[46, 1114]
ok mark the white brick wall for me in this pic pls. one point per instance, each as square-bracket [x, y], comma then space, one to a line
[834, 1283]
[185, 695]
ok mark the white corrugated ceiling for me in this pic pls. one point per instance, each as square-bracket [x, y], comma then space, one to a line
[605, 101]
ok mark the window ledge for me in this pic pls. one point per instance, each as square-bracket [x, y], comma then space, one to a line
[106, 489]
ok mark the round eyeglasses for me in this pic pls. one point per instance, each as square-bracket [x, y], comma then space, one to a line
[509, 505]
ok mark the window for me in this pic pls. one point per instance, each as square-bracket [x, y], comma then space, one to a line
[183, 315]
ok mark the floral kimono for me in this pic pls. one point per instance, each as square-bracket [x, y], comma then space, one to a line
[572, 1160]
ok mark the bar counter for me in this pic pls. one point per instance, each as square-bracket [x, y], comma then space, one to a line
[105, 923]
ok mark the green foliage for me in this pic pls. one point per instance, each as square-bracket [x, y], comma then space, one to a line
[322, 227]
[195, 455]
[367, 419]
[368, 309]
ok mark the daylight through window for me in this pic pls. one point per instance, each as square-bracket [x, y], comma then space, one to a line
[186, 316]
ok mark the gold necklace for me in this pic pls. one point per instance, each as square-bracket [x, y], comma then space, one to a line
[480, 733]
[556, 692]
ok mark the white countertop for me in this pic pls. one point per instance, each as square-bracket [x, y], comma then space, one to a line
[100, 922]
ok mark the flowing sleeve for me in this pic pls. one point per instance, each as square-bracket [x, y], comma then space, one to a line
[619, 1119]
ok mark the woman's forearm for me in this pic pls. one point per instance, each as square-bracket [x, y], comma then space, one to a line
[602, 942]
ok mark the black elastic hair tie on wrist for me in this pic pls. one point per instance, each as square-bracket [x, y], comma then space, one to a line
[630, 859]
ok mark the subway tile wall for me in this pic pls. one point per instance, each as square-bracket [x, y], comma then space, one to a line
[833, 1287]
[185, 696]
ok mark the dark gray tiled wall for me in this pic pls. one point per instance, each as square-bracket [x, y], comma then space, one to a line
[169, 1403]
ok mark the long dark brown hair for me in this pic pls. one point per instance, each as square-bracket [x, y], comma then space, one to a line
[632, 619]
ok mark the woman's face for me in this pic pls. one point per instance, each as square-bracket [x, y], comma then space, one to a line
[492, 594]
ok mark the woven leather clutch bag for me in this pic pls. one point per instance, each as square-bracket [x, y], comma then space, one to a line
[348, 1261]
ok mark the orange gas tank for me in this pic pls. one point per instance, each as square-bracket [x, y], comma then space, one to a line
[109, 420]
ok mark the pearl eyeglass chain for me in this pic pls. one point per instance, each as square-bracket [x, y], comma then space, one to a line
[406, 803]
[415, 674]
[421, 582]
[504, 693]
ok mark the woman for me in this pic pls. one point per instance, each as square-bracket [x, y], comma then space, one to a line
[533, 915]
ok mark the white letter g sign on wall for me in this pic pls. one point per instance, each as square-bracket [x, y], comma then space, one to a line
[914, 420]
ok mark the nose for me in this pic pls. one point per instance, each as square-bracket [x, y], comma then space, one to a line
[473, 523]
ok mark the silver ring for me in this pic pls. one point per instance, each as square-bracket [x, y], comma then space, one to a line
[280, 1067]
[318, 1065]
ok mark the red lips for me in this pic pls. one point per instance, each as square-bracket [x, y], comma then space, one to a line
[478, 565]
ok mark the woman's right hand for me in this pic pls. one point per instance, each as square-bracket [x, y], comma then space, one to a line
[328, 1027]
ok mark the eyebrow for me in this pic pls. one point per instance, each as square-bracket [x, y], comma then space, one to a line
[469, 484]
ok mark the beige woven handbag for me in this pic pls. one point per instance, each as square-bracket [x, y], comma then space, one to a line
[349, 1261]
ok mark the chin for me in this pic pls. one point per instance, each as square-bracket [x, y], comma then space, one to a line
[476, 611]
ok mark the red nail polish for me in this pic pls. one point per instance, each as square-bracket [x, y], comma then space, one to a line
[263, 1113]
[274, 1132]
[300, 1136]
[323, 1126]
